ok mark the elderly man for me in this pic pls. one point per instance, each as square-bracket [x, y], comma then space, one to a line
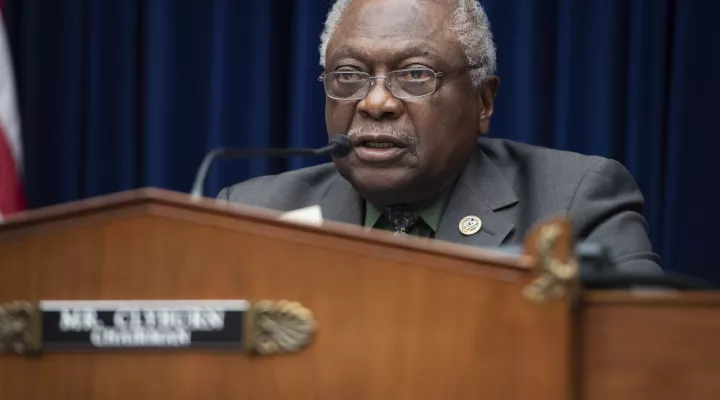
[411, 83]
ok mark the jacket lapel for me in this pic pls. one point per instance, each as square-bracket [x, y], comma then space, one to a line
[481, 190]
[342, 203]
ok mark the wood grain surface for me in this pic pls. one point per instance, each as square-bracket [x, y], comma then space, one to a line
[649, 346]
[415, 319]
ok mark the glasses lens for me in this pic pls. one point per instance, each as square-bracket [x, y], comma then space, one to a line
[414, 82]
[347, 85]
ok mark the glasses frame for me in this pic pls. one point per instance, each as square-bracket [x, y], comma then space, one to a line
[372, 79]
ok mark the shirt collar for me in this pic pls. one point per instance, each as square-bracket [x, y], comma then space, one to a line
[430, 214]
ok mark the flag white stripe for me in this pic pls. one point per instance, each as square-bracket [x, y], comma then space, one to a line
[8, 108]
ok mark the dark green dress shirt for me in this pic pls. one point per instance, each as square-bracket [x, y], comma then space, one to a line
[425, 227]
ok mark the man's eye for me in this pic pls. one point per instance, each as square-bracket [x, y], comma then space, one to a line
[348, 77]
[417, 75]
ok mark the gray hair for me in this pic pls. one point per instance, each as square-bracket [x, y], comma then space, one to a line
[468, 22]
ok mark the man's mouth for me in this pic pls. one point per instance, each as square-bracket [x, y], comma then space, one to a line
[378, 145]
[377, 141]
[378, 148]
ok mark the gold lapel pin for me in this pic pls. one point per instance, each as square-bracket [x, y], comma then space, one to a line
[470, 225]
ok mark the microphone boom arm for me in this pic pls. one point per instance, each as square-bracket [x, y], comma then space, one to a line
[339, 146]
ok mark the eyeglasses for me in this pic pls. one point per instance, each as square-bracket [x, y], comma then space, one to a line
[408, 83]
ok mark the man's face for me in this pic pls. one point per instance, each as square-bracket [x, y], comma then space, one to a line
[431, 138]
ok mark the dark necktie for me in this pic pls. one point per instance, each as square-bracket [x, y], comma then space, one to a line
[401, 219]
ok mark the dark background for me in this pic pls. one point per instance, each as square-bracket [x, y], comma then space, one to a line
[116, 95]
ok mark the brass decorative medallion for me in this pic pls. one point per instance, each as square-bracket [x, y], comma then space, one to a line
[19, 328]
[279, 327]
[556, 276]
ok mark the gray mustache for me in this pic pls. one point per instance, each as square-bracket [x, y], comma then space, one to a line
[401, 135]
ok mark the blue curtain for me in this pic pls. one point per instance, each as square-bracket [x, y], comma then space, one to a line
[116, 95]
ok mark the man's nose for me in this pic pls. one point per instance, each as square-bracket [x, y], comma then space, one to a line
[379, 103]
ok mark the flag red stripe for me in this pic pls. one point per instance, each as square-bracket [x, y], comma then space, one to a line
[12, 193]
[12, 198]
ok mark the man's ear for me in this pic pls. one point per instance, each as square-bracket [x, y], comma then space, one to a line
[486, 101]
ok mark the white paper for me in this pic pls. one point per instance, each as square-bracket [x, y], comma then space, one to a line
[309, 215]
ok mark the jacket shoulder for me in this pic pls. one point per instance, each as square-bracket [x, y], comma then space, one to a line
[538, 158]
[550, 179]
[284, 191]
[551, 171]
[598, 194]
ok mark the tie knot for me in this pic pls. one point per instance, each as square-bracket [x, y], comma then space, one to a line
[401, 219]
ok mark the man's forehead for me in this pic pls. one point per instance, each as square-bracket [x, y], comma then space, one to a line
[418, 2]
[396, 18]
[391, 28]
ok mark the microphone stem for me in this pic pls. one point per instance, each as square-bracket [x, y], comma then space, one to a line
[197, 189]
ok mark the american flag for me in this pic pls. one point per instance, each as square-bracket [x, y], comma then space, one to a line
[12, 192]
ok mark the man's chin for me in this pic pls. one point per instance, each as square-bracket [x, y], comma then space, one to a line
[383, 191]
[381, 185]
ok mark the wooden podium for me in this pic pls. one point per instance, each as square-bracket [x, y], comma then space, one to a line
[370, 316]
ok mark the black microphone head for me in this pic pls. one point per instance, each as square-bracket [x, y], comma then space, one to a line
[341, 145]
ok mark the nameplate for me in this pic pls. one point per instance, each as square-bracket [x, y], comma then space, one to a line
[146, 324]
[262, 327]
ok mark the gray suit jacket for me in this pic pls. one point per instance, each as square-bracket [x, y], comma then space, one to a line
[511, 186]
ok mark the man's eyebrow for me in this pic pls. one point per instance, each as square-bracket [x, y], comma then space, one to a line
[404, 51]
[417, 49]
[347, 52]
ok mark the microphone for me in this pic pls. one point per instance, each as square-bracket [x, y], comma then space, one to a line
[338, 146]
